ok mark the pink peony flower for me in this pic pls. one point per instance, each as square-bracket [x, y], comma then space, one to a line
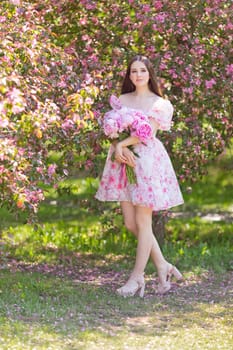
[125, 121]
[122, 119]
[142, 130]
[111, 128]
[115, 103]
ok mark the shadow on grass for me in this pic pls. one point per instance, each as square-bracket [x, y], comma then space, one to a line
[82, 304]
[53, 297]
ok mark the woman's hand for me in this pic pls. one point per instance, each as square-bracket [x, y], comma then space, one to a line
[124, 155]
[129, 155]
[119, 156]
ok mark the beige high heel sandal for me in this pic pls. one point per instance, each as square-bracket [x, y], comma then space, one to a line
[132, 286]
[172, 271]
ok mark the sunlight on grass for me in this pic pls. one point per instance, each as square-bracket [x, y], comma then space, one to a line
[58, 278]
[214, 192]
[28, 334]
[191, 243]
[46, 312]
[115, 323]
[195, 230]
[194, 337]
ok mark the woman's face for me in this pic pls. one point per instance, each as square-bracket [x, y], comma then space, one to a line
[139, 74]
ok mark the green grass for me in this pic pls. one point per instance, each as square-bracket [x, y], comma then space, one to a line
[58, 278]
[215, 191]
[47, 312]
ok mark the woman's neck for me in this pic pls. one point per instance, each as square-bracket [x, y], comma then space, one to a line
[142, 91]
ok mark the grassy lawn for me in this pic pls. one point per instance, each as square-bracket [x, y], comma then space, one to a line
[57, 283]
[45, 311]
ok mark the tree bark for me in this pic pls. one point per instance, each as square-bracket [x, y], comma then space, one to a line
[158, 227]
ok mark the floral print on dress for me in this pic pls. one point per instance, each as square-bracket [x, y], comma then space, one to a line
[157, 186]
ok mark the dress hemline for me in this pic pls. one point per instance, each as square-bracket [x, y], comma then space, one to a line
[141, 204]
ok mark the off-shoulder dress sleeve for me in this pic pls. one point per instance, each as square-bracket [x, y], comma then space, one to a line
[162, 112]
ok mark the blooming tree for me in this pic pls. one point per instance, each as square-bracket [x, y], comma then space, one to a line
[61, 60]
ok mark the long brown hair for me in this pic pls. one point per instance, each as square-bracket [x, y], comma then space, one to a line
[153, 85]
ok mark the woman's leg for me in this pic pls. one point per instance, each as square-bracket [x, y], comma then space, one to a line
[128, 211]
[147, 243]
[129, 214]
[139, 221]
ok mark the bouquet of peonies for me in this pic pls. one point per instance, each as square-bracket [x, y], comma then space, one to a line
[121, 122]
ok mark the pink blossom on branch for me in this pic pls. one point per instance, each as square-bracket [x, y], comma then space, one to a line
[4, 122]
[229, 70]
[78, 69]
[52, 170]
[210, 83]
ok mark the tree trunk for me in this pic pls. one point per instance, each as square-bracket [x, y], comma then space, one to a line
[158, 227]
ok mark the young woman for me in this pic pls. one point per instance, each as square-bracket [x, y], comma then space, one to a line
[156, 188]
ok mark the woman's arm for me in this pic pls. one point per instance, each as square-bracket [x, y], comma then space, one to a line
[133, 140]
[120, 146]
[128, 156]
[130, 141]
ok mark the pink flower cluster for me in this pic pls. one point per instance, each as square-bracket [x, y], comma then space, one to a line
[121, 118]
[46, 99]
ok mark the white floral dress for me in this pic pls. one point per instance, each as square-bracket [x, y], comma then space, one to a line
[157, 185]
